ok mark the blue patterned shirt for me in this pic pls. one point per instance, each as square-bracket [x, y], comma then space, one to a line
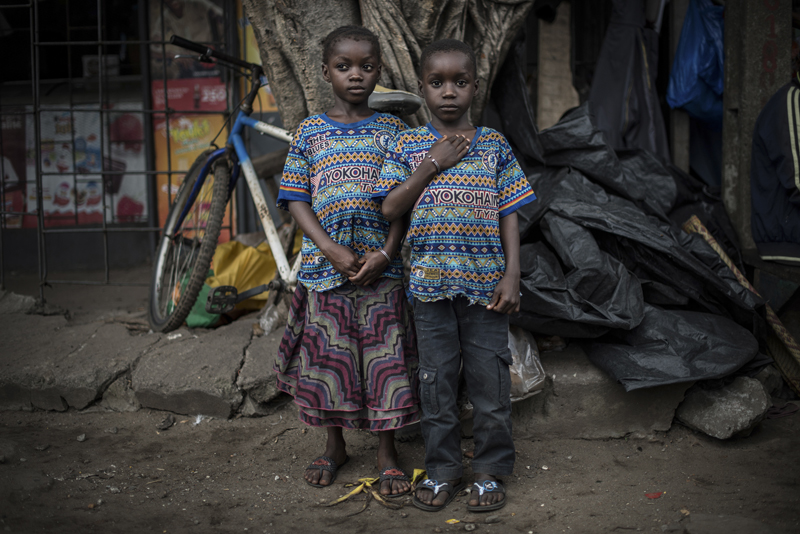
[334, 167]
[455, 224]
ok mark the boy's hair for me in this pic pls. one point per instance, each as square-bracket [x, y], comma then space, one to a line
[448, 45]
[356, 33]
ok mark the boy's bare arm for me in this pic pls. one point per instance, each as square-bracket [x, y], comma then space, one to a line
[447, 152]
[343, 259]
[505, 298]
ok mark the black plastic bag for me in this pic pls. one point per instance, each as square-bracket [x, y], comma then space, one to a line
[673, 346]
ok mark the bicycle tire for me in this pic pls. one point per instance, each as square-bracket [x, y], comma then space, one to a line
[184, 255]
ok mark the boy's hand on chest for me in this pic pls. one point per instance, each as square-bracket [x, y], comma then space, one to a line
[447, 151]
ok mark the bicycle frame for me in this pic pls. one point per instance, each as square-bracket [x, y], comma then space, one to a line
[243, 162]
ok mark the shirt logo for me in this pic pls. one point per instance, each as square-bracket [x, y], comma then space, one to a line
[490, 161]
[316, 144]
[415, 159]
[382, 139]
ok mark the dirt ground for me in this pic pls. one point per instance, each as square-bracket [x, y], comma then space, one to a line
[245, 475]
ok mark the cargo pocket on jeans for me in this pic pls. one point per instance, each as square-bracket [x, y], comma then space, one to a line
[427, 393]
[504, 360]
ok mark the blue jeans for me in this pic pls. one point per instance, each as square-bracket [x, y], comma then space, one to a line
[449, 333]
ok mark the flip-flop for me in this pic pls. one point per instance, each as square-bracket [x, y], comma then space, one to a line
[394, 473]
[488, 486]
[323, 463]
[437, 488]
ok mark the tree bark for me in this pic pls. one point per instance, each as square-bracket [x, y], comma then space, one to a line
[290, 33]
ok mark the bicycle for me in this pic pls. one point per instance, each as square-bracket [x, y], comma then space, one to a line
[193, 225]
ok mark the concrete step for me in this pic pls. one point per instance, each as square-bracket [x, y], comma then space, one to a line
[581, 401]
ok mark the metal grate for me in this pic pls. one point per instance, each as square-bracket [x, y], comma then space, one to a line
[88, 62]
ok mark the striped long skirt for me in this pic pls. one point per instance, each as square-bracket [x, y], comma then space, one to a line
[349, 357]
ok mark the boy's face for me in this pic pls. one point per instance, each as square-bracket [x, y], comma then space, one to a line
[448, 85]
[353, 70]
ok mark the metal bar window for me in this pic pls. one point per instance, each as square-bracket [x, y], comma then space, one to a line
[95, 84]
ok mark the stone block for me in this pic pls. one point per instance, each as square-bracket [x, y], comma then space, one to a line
[257, 377]
[119, 396]
[194, 372]
[51, 365]
[723, 413]
[581, 401]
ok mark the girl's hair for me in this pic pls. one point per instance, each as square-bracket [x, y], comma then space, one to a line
[356, 33]
[448, 45]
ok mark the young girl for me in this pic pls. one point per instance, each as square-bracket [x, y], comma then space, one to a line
[348, 355]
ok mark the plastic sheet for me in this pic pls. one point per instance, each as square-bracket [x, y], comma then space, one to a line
[515, 111]
[674, 346]
[696, 79]
[592, 287]
[635, 174]
[623, 95]
[602, 252]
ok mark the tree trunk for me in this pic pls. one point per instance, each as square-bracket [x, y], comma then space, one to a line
[290, 34]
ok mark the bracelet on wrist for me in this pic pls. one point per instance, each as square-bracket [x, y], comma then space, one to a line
[385, 255]
[438, 169]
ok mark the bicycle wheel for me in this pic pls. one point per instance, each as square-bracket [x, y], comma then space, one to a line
[185, 252]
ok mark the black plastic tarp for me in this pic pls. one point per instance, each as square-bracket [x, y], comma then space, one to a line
[673, 346]
[603, 257]
[623, 94]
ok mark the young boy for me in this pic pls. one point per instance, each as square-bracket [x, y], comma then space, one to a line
[463, 186]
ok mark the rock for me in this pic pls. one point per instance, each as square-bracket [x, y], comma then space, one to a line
[771, 378]
[257, 378]
[81, 438]
[119, 396]
[251, 408]
[581, 401]
[13, 303]
[112, 430]
[167, 423]
[194, 374]
[273, 317]
[492, 519]
[113, 489]
[722, 413]
[42, 447]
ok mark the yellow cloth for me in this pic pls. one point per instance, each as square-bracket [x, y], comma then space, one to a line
[244, 268]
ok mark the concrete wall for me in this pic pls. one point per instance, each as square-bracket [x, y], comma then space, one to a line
[679, 119]
[757, 63]
[556, 92]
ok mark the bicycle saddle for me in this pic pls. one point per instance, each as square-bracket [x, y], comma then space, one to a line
[394, 101]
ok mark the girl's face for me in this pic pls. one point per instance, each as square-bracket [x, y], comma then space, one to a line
[353, 70]
[448, 85]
